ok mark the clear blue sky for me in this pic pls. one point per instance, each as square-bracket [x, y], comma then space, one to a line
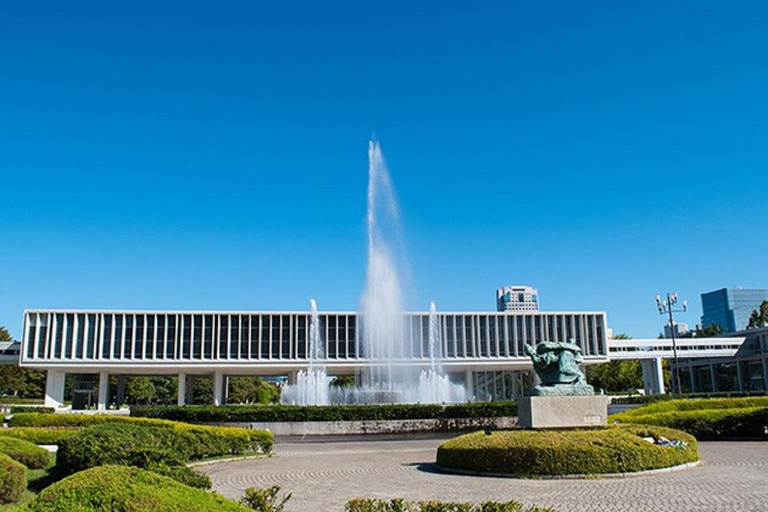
[212, 155]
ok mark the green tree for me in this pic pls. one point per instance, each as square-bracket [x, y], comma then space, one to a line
[616, 376]
[759, 317]
[343, 381]
[252, 390]
[709, 331]
[17, 381]
[139, 391]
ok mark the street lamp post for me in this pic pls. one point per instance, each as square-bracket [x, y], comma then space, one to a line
[667, 306]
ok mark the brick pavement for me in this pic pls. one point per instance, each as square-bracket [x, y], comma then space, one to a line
[324, 475]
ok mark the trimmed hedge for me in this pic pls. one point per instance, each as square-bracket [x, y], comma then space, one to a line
[126, 488]
[144, 445]
[710, 419]
[13, 479]
[212, 441]
[29, 454]
[39, 435]
[649, 399]
[269, 413]
[565, 452]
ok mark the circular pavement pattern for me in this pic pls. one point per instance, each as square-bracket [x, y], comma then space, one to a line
[324, 475]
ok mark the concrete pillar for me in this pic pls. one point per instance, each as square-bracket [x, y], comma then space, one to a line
[225, 398]
[190, 387]
[218, 388]
[293, 377]
[120, 398]
[181, 397]
[515, 384]
[692, 377]
[739, 380]
[653, 376]
[54, 388]
[712, 378]
[470, 383]
[103, 398]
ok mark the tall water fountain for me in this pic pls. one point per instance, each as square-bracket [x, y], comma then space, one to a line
[311, 386]
[381, 321]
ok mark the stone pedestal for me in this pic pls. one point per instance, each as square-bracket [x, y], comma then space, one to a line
[562, 411]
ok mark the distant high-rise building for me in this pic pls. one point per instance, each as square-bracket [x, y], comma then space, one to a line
[517, 298]
[730, 307]
[680, 330]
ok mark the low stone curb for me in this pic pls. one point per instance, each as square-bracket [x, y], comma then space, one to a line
[573, 477]
[228, 459]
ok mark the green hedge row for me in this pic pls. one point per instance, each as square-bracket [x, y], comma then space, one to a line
[29, 454]
[565, 452]
[215, 441]
[269, 413]
[39, 435]
[710, 425]
[649, 399]
[13, 479]
[126, 488]
[140, 445]
[400, 505]
[699, 404]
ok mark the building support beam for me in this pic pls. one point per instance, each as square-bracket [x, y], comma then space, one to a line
[54, 388]
[470, 383]
[653, 376]
[120, 398]
[182, 395]
[218, 388]
[102, 402]
[712, 378]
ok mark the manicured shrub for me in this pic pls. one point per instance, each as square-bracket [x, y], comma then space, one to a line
[710, 425]
[13, 479]
[121, 443]
[38, 435]
[37, 409]
[265, 500]
[649, 399]
[127, 488]
[29, 454]
[183, 474]
[401, 505]
[209, 441]
[270, 413]
[564, 452]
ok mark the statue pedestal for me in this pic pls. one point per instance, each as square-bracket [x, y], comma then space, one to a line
[562, 411]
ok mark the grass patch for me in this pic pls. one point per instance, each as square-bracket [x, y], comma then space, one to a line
[532, 453]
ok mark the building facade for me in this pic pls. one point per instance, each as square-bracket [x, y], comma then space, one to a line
[517, 298]
[730, 307]
[276, 343]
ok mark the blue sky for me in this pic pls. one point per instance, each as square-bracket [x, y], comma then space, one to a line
[205, 155]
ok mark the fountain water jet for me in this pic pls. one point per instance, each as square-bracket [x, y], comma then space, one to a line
[381, 322]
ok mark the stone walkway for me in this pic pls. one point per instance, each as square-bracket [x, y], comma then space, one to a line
[323, 475]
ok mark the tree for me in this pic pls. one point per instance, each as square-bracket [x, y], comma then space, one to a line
[616, 375]
[343, 381]
[139, 391]
[252, 390]
[22, 382]
[759, 317]
[709, 331]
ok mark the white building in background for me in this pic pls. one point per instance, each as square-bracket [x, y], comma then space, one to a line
[476, 348]
[680, 330]
[517, 298]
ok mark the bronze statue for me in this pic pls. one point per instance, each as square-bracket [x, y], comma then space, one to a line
[557, 365]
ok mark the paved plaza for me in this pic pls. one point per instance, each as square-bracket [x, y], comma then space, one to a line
[323, 475]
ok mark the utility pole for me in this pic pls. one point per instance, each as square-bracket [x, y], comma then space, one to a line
[667, 306]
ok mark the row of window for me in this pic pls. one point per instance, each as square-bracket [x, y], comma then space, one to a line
[258, 336]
